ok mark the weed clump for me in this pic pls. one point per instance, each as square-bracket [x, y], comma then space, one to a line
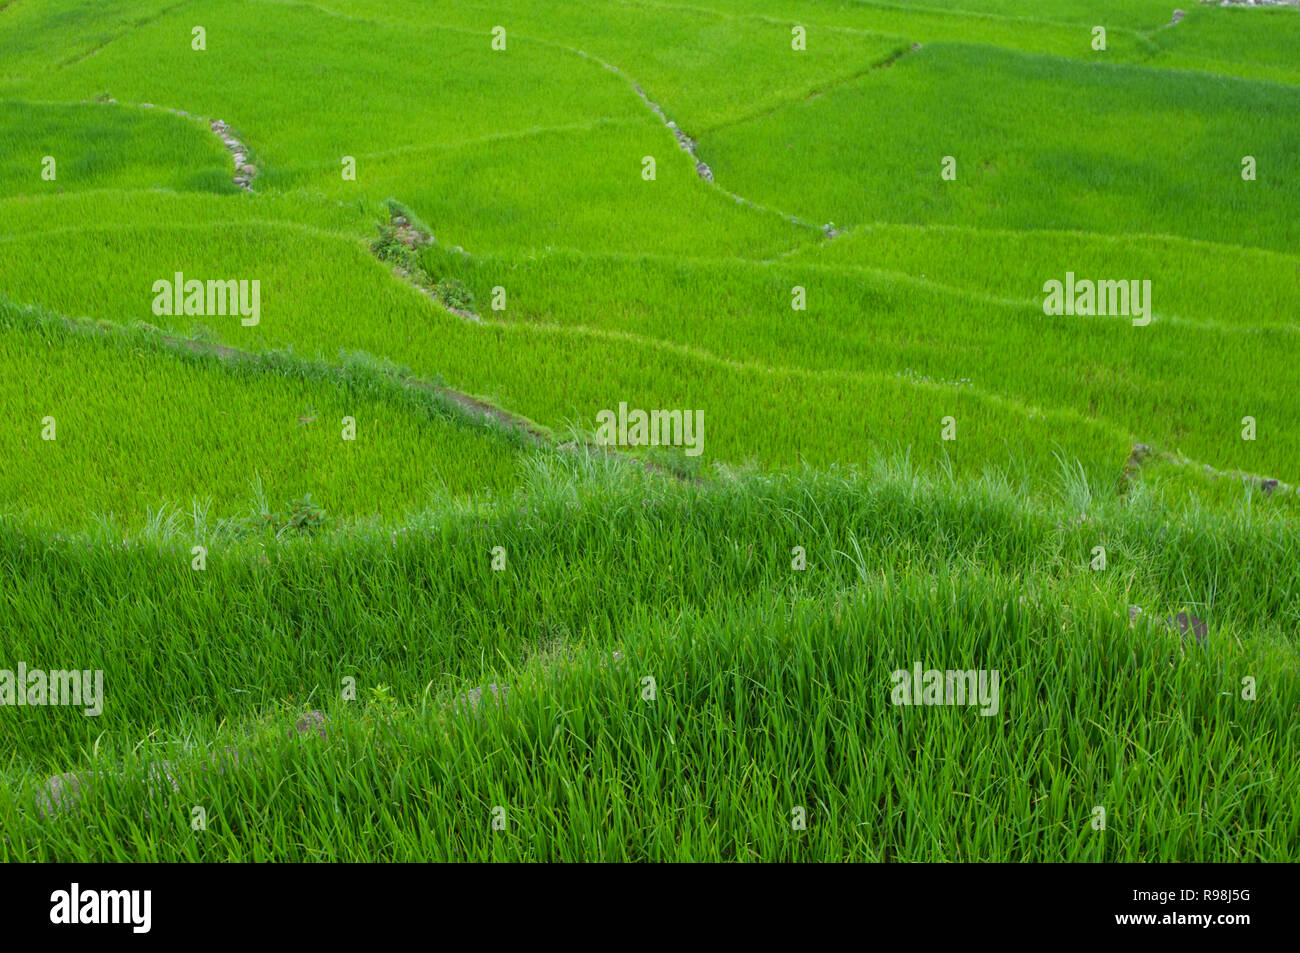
[454, 294]
[398, 244]
[305, 517]
[389, 247]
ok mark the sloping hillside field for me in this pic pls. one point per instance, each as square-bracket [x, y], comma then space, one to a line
[631, 430]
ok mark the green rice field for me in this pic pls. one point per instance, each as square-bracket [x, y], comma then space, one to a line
[636, 430]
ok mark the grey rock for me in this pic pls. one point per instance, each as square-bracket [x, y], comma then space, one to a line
[471, 700]
[160, 772]
[63, 792]
[1182, 623]
[1185, 622]
[229, 756]
[314, 722]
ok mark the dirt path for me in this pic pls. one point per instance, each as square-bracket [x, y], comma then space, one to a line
[689, 146]
[245, 171]
[472, 407]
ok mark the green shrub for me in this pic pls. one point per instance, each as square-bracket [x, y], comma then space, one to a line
[454, 294]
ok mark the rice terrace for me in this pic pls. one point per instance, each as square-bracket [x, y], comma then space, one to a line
[639, 430]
